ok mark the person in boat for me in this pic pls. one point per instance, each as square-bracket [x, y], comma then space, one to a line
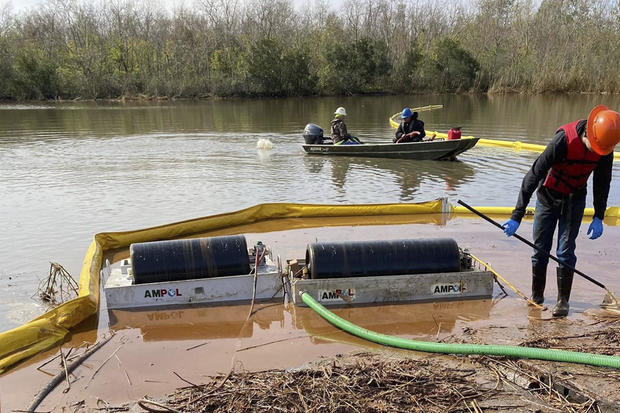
[561, 173]
[411, 129]
[339, 133]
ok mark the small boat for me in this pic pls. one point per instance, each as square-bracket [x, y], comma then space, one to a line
[430, 150]
[438, 149]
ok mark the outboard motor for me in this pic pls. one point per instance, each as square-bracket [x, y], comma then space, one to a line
[313, 134]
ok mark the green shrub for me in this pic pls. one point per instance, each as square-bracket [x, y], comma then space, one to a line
[449, 67]
[277, 70]
[404, 77]
[36, 74]
[356, 67]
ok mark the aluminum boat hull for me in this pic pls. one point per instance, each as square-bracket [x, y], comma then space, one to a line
[430, 150]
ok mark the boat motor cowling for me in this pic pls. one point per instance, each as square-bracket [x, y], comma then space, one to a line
[313, 134]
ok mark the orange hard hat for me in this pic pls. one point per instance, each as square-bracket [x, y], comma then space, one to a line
[603, 129]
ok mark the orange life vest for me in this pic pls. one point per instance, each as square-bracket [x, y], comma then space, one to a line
[572, 174]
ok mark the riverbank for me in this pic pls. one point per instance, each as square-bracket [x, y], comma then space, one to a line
[427, 93]
[388, 380]
[275, 49]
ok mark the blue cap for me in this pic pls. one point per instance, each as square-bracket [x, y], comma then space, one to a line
[406, 113]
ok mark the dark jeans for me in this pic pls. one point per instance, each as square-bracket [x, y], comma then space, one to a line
[567, 213]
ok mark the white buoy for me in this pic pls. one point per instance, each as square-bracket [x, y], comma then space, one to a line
[264, 143]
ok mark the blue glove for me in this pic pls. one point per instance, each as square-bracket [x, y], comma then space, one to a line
[596, 228]
[510, 227]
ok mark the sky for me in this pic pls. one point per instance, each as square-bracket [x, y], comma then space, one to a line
[23, 5]
[20, 4]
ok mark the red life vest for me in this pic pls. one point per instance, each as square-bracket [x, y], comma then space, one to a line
[572, 174]
[454, 134]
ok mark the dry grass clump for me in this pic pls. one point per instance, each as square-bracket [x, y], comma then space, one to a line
[58, 287]
[605, 341]
[367, 384]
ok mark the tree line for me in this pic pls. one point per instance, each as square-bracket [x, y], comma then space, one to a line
[70, 49]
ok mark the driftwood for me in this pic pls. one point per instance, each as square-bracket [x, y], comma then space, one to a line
[368, 382]
[120, 365]
[102, 364]
[196, 346]
[64, 366]
[145, 402]
[57, 379]
[182, 379]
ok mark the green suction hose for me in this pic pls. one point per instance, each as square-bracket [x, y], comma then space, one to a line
[449, 348]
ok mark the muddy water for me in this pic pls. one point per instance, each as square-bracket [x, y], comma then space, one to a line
[200, 341]
[71, 170]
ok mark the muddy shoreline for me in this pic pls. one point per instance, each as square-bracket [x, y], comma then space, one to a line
[389, 380]
[155, 351]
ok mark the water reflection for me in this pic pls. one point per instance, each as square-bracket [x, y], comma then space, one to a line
[409, 176]
[420, 319]
[230, 321]
[197, 322]
[522, 117]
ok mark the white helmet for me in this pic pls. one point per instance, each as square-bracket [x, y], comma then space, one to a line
[340, 111]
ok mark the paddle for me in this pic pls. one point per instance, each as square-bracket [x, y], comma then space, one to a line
[610, 300]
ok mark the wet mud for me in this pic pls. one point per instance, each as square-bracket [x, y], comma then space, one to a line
[156, 350]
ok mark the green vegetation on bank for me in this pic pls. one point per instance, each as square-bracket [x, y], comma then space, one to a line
[68, 49]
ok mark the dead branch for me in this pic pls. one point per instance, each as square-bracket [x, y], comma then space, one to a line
[60, 376]
[58, 287]
[102, 364]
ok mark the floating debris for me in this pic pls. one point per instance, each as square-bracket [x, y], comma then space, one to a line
[58, 287]
[264, 143]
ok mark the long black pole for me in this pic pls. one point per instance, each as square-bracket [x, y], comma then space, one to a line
[520, 238]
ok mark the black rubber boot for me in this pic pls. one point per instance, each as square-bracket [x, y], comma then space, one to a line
[539, 277]
[565, 282]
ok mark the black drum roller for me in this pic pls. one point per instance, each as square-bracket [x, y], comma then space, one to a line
[373, 258]
[189, 259]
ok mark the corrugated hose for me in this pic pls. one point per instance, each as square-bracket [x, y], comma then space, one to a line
[455, 348]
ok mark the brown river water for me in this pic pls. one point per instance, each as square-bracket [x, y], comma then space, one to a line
[68, 171]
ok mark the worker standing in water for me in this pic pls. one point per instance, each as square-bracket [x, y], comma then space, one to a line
[561, 174]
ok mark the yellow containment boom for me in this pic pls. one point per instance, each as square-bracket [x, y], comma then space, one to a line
[515, 145]
[612, 214]
[53, 327]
